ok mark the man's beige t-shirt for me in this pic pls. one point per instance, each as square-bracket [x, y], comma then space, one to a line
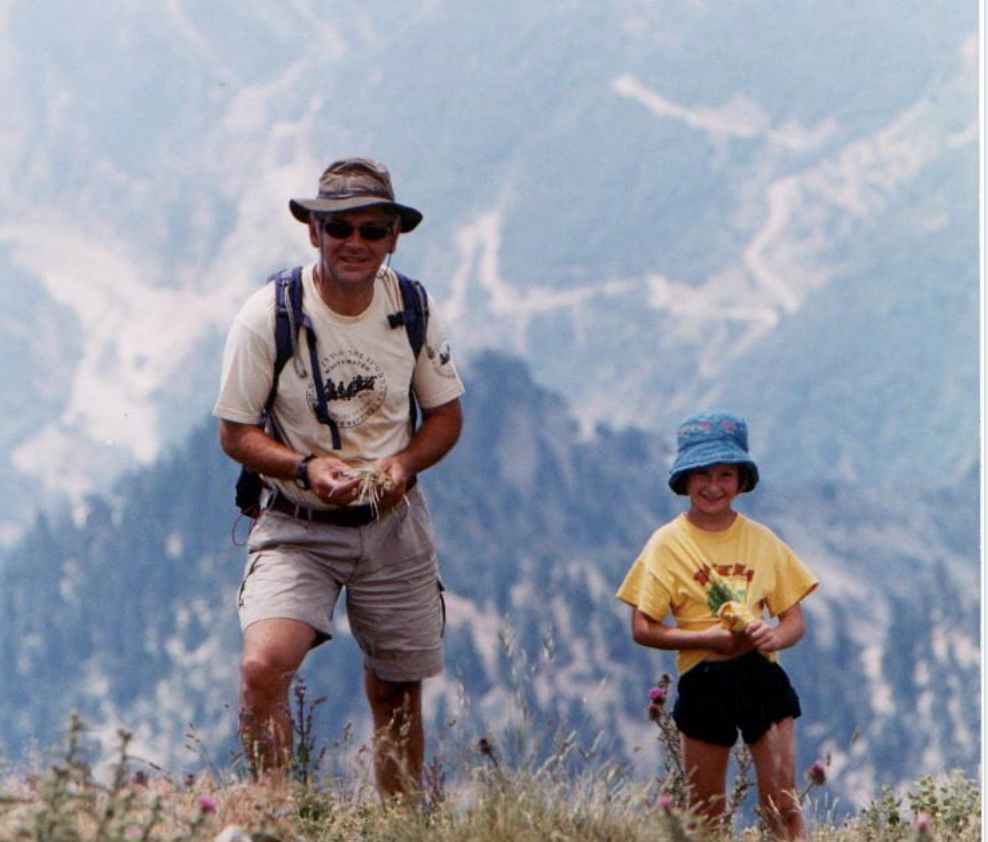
[367, 366]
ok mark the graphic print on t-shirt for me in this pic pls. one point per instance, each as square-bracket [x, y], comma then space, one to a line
[355, 387]
[440, 357]
[727, 583]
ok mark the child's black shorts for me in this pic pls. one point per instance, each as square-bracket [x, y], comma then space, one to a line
[717, 698]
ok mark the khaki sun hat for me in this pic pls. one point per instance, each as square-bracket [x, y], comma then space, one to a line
[354, 183]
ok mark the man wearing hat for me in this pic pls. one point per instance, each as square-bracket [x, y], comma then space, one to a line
[317, 533]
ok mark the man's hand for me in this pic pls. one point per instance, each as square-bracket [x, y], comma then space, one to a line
[439, 432]
[395, 469]
[333, 481]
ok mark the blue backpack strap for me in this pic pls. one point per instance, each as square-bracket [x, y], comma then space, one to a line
[414, 317]
[288, 303]
[322, 408]
[289, 318]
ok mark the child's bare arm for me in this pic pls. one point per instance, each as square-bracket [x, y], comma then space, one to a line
[647, 631]
[788, 632]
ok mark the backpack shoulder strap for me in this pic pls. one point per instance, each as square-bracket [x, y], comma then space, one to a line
[288, 316]
[414, 315]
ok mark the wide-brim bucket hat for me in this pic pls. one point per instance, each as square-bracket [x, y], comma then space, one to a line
[718, 437]
[351, 184]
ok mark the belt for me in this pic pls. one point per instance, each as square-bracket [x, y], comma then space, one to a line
[350, 516]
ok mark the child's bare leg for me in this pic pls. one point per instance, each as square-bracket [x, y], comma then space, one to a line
[706, 771]
[774, 755]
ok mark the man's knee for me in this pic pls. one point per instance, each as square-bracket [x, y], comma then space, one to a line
[262, 671]
[272, 652]
[393, 696]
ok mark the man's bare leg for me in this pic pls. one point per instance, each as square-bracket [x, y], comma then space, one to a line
[398, 733]
[272, 652]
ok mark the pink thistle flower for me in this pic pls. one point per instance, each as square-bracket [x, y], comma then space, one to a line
[816, 775]
[666, 803]
[657, 701]
[206, 804]
[923, 824]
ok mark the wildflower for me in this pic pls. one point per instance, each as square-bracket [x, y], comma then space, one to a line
[206, 804]
[922, 826]
[139, 778]
[657, 701]
[486, 748]
[816, 775]
[658, 695]
[666, 803]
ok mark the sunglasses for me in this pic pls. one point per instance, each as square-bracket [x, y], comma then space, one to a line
[343, 230]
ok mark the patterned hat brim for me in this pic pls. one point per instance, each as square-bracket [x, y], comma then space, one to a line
[707, 454]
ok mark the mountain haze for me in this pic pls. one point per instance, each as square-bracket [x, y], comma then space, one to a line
[658, 205]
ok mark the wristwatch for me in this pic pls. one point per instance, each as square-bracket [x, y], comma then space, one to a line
[302, 472]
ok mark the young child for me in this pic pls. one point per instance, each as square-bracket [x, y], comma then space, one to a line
[717, 572]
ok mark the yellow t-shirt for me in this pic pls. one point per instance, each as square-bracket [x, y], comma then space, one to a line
[688, 572]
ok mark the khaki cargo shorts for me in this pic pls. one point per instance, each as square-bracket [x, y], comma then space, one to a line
[296, 570]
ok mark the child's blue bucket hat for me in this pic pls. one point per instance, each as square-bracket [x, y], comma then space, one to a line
[711, 438]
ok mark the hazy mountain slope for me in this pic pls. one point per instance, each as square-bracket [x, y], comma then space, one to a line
[873, 383]
[130, 618]
[645, 200]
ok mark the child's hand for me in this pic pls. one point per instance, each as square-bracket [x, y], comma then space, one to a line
[763, 637]
[788, 632]
[725, 642]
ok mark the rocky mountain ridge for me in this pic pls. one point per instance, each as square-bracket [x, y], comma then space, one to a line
[657, 205]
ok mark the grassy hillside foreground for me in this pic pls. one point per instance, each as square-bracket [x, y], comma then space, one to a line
[556, 794]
